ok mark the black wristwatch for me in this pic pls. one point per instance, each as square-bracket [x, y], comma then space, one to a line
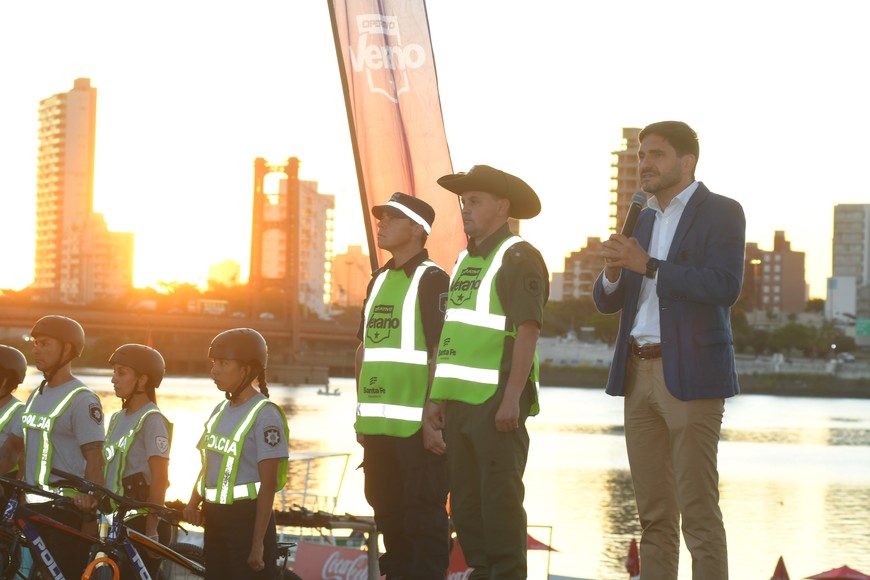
[652, 266]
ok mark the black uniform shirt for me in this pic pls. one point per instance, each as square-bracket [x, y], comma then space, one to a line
[433, 296]
[522, 284]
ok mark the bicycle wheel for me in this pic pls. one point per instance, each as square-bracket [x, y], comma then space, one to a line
[173, 570]
[104, 573]
[10, 558]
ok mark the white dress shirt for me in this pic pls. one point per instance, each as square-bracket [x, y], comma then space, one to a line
[647, 329]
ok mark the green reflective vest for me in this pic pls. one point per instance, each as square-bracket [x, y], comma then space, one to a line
[43, 424]
[394, 376]
[14, 405]
[230, 448]
[118, 450]
[473, 339]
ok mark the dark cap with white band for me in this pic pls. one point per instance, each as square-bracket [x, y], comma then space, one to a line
[413, 207]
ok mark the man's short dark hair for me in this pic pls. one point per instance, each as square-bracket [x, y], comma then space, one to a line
[681, 137]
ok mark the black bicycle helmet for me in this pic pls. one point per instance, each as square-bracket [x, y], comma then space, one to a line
[13, 361]
[142, 359]
[63, 329]
[245, 345]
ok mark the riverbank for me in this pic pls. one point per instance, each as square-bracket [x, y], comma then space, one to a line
[783, 384]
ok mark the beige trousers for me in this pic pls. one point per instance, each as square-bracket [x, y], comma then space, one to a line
[672, 451]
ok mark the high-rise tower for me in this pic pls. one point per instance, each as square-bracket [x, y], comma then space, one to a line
[78, 261]
[624, 177]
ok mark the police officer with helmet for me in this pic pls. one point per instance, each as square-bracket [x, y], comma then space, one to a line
[13, 367]
[138, 442]
[244, 452]
[61, 426]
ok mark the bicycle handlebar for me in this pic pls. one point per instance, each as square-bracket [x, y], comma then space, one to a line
[128, 503]
[30, 488]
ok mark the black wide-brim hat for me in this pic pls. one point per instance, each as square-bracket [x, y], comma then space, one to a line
[524, 201]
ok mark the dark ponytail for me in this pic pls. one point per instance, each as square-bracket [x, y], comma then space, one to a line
[261, 383]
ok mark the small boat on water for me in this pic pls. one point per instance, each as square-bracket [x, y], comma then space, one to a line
[325, 391]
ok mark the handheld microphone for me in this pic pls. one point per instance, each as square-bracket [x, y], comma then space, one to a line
[638, 200]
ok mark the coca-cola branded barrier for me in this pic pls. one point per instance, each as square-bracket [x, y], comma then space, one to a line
[324, 562]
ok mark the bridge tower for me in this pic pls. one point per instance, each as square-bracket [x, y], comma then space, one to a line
[275, 236]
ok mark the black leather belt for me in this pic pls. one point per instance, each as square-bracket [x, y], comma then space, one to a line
[647, 351]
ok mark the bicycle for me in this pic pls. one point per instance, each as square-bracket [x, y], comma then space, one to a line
[180, 560]
[122, 545]
[18, 533]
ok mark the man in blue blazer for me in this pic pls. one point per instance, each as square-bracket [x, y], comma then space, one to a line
[674, 283]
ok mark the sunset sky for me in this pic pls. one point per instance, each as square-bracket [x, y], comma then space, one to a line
[190, 93]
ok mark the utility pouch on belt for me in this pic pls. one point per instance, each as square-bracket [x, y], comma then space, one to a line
[136, 487]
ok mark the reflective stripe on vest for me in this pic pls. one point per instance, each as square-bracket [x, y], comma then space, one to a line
[475, 332]
[118, 450]
[13, 406]
[383, 410]
[9, 412]
[230, 449]
[44, 424]
[394, 375]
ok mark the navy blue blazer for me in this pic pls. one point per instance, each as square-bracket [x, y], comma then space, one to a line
[697, 285]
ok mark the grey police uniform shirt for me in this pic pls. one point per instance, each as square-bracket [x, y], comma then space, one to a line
[152, 440]
[79, 424]
[265, 440]
[6, 431]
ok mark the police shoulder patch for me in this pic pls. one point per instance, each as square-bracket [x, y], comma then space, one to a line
[271, 436]
[532, 283]
[162, 443]
[96, 413]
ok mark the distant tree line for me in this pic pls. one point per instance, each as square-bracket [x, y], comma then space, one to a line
[176, 297]
[560, 318]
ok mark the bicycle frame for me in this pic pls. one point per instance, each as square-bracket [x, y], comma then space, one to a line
[20, 517]
[121, 541]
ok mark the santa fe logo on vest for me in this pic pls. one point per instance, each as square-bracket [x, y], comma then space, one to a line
[381, 322]
[464, 286]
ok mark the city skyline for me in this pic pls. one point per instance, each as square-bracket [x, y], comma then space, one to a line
[181, 120]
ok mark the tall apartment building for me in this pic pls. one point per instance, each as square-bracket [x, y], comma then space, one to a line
[850, 263]
[351, 272]
[291, 239]
[581, 270]
[851, 247]
[775, 280]
[78, 260]
[624, 177]
[315, 275]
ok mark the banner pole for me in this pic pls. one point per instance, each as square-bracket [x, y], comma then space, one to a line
[367, 220]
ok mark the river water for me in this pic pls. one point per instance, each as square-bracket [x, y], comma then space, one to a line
[794, 473]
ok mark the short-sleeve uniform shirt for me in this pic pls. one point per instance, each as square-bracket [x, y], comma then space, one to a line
[81, 423]
[152, 440]
[13, 420]
[266, 439]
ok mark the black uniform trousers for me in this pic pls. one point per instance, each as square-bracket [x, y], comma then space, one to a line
[227, 542]
[69, 552]
[406, 485]
[164, 534]
[486, 487]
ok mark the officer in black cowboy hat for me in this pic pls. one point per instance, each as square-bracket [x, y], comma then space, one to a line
[486, 372]
[405, 483]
